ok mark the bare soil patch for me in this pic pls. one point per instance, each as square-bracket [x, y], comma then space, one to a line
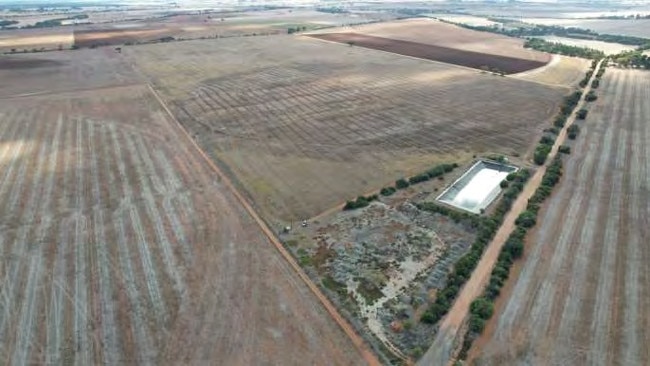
[508, 65]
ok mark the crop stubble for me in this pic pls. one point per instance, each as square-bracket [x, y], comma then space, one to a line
[120, 245]
[291, 119]
[582, 293]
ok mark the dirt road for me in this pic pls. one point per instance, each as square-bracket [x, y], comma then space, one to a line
[442, 349]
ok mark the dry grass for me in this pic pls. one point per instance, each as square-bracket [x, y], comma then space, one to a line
[305, 125]
[561, 71]
[29, 39]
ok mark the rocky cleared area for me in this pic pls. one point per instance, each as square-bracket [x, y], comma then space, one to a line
[383, 264]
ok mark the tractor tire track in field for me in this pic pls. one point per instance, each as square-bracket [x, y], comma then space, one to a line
[59, 287]
[602, 289]
[137, 324]
[80, 223]
[141, 333]
[18, 256]
[27, 321]
[111, 348]
[147, 258]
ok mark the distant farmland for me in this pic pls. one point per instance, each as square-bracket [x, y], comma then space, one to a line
[305, 124]
[582, 294]
[476, 60]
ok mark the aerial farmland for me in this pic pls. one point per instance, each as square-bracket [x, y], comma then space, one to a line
[582, 290]
[322, 184]
[270, 119]
[122, 245]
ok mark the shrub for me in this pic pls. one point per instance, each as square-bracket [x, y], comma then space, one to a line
[564, 149]
[582, 114]
[387, 191]
[503, 184]
[573, 131]
[401, 184]
[526, 219]
[591, 96]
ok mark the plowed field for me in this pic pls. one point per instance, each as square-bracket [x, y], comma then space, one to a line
[583, 293]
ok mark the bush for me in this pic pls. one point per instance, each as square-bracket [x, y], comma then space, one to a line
[573, 131]
[582, 114]
[526, 219]
[401, 184]
[541, 152]
[564, 149]
[387, 191]
[503, 184]
[591, 96]
[360, 202]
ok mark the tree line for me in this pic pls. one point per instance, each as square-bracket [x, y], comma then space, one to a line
[563, 49]
[402, 183]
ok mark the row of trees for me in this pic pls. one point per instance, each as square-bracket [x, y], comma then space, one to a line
[482, 308]
[538, 30]
[636, 59]
[563, 49]
[403, 183]
[463, 269]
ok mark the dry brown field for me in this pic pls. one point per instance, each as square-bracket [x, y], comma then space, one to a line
[437, 33]
[120, 245]
[560, 71]
[475, 60]
[20, 40]
[212, 25]
[582, 293]
[305, 124]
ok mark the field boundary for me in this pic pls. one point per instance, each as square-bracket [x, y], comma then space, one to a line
[359, 343]
[443, 348]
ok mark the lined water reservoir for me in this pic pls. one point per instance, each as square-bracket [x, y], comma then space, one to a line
[477, 187]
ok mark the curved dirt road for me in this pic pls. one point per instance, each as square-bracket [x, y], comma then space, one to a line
[442, 350]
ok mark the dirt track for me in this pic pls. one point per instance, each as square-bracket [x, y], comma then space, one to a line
[441, 351]
[583, 293]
